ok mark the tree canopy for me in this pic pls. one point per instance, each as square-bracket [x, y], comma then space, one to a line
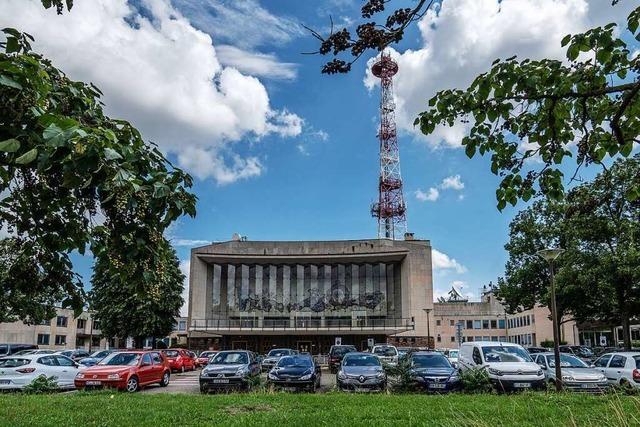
[73, 179]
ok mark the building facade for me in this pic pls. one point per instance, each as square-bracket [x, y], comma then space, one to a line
[63, 332]
[487, 320]
[309, 295]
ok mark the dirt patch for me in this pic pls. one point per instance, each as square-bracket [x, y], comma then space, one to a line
[243, 409]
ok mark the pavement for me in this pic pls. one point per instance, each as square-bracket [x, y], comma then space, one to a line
[187, 383]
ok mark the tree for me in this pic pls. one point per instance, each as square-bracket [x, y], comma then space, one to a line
[368, 36]
[58, 4]
[592, 101]
[72, 179]
[137, 302]
[598, 276]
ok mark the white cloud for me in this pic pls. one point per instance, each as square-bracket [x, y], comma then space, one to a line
[242, 23]
[431, 196]
[162, 74]
[185, 266]
[189, 242]
[442, 262]
[452, 182]
[461, 38]
[255, 63]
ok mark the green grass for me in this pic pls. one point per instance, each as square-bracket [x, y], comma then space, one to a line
[331, 409]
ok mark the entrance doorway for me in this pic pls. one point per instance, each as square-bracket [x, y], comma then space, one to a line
[238, 345]
[304, 346]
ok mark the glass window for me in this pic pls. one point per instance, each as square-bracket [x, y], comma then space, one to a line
[295, 362]
[121, 359]
[494, 324]
[61, 321]
[439, 338]
[453, 339]
[566, 361]
[360, 360]
[500, 353]
[438, 322]
[64, 361]
[434, 360]
[477, 359]
[182, 325]
[157, 359]
[469, 324]
[48, 361]
[231, 358]
[43, 339]
[485, 324]
[501, 323]
[146, 359]
[81, 323]
[279, 353]
[494, 338]
[61, 340]
[477, 324]
[452, 322]
[618, 361]
[13, 362]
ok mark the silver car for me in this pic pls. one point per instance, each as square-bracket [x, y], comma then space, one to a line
[361, 372]
[274, 357]
[230, 369]
[576, 375]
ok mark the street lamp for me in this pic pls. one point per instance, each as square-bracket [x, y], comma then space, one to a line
[550, 256]
[428, 310]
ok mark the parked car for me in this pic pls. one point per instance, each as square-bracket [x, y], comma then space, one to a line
[361, 372]
[536, 350]
[432, 371]
[25, 352]
[18, 371]
[203, 358]
[508, 365]
[581, 351]
[576, 375]
[126, 370]
[95, 357]
[336, 353]
[621, 368]
[403, 352]
[75, 355]
[295, 372]
[179, 360]
[452, 355]
[387, 354]
[230, 369]
[274, 356]
[9, 349]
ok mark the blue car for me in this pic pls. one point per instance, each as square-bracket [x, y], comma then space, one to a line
[432, 371]
[95, 357]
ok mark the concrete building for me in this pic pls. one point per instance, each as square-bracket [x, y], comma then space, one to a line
[487, 320]
[62, 332]
[309, 295]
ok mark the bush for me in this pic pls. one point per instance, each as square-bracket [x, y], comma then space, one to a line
[400, 374]
[42, 385]
[475, 380]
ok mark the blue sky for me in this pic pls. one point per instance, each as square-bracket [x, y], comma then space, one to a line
[281, 152]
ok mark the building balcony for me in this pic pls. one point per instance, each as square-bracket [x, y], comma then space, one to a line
[302, 326]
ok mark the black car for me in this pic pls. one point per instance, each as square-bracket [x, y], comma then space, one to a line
[433, 372]
[295, 372]
[336, 353]
[9, 349]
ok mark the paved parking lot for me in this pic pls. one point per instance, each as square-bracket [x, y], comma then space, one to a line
[188, 383]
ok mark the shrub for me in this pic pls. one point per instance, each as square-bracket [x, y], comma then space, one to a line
[400, 374]
[475, 380]
[42, 385]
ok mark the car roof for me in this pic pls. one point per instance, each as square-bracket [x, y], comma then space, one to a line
[424, 353]
[624, 353]
[492, 343]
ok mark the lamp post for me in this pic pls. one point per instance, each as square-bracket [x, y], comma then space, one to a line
[428, 310]
[550, 256]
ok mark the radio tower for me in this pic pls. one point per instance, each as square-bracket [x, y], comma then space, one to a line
[390, 208]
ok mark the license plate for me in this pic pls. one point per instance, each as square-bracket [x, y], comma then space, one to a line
[94, 382]
[221, 381]
[290, 389]
[437, 386]
[589, 386]
[522, 385]
[5, 382]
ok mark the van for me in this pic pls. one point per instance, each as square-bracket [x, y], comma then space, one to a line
[508, 365]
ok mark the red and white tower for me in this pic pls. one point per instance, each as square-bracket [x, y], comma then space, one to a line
[390, 208]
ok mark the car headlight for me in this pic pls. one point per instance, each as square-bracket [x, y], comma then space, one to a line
[306, 377]
[272, 376]
[341, 375]
[204, 372]
[80, 375]
[242, 371]
[113, 377]
[540, 373]
[567, 378]
[602, 378]
[493, 371]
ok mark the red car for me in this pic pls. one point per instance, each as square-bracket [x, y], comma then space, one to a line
[126, 370]
[203, 359]
[179, 360]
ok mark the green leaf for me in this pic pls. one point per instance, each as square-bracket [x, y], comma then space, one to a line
[27, 157]
[52, 132]
[566, 40]
[10, 145]
[6, 81]
[112, 154]
[12, 45]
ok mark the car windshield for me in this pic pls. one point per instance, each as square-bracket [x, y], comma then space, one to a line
[453, 353]
[583, 351]
[100, 354]
[207, 353]
[230, 358]
[361, 360]
[341, 351]
[430, 361]
[505, 353]
[121, 359]
[4, 349]
[278, 353]
[294, 362]
[385, 351]
[12, 362]
[171, 353]
[566, 361]
[21, 352]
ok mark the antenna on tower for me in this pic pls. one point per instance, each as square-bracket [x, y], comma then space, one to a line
[390, 208]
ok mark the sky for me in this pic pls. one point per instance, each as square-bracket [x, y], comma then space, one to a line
[281, 152]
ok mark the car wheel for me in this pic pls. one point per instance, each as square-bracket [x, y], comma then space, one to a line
[132, 384]
[165, 380]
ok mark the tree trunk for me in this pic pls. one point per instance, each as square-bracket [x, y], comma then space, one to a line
[626, 332]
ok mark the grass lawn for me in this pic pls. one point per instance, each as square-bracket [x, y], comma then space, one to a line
[332, 409]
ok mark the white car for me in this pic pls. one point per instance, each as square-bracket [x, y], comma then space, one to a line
[387, 354]
[452, 355]
[508, 365]
[18, 371]
[621, 368]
